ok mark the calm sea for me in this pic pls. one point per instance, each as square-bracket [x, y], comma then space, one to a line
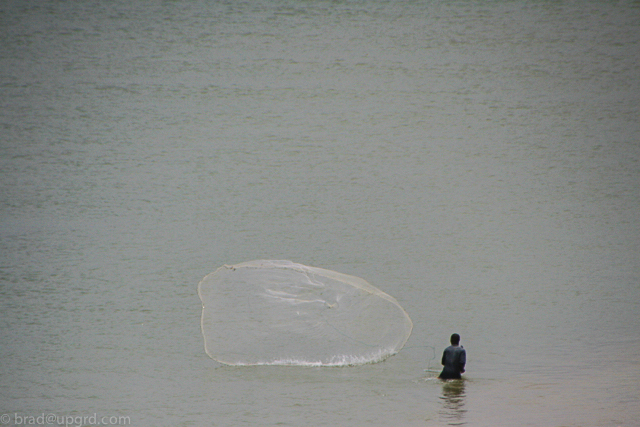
[476, 160]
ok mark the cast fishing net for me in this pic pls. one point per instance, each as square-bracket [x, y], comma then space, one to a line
[283, 313]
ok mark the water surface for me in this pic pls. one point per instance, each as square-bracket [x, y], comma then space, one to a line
[477, 161]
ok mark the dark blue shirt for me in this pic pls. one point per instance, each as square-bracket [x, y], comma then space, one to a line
[453, 359]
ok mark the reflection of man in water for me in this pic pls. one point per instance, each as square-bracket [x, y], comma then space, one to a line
[454, 358]
[453, 399]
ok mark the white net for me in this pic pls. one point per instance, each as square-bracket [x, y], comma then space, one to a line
[283, 313]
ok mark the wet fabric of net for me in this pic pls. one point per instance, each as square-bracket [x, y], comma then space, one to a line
[283, 313]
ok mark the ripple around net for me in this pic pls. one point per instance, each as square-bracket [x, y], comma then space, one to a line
[283, 313]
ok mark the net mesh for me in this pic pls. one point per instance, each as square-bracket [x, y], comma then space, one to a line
[282, 313]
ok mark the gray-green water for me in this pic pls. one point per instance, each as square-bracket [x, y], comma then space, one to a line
[476, 160]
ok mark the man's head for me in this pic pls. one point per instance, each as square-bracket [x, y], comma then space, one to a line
[455, 339]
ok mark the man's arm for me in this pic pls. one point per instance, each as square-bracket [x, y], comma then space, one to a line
[463, 360]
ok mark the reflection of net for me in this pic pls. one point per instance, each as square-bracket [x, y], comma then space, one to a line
[282, 313]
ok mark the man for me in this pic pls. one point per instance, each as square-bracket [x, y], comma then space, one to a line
[453, 359]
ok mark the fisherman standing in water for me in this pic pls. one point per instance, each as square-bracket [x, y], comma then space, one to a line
[453, 359]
